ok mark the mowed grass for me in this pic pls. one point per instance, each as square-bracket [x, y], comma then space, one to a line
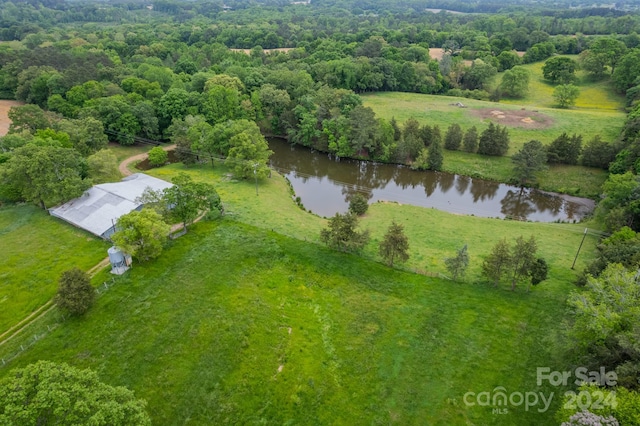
[35, 249]
[240, 325]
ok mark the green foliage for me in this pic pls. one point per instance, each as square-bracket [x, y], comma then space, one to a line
[75, 293]
[560, 69]
[142, 234]
[188, 199]
[566, 95]
[518, 261]
[523, 259]
[394, 247]
[598, 153]
[622, 194]
[605, 319]
[531, 159]
[46, 175]
[495, 265]
[457, 266]
[539, 271]
[340, 233]
[158, 156]
[249, 156]
[565, 149]
[515, 82]
[494, 140]
[435, 156]
[453, 137]
[358, 204]
[103, 167]
[470, 142]
[50, 393]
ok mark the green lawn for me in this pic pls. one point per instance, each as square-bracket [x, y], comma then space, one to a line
[35, 249]
[240, 325]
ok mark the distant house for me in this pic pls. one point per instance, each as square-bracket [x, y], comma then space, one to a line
[100, 207]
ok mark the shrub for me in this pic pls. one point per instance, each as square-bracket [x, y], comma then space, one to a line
[358, 204]
[158, 156]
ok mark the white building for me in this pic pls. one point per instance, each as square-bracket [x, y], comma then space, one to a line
[100, 207]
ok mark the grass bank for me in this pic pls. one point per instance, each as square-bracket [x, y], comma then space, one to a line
[240, 325]
[35, 249]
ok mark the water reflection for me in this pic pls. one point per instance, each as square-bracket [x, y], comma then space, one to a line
[325, 184]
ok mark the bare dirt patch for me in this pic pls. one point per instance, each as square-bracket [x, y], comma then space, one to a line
[266, 51]
[528, 119]
[5, 106]
[437, 53]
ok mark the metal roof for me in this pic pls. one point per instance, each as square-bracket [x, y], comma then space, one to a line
[99, 208]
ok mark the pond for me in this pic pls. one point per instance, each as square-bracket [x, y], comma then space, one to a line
[325, 183]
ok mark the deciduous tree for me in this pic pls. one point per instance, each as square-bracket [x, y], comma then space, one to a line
[46, 393]
[103, 167]
[496, 264]
[566, 95]
[142, 234]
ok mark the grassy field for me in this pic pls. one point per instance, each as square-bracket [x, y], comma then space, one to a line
[35, 249]
[240, 325]
[438, 110]
[598, 112]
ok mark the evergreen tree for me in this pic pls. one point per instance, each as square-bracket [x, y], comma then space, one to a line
[341, 234]
[565, 149]
[395, 245]
[470, 142]
[435, 157]
[453, 137]
[531, 159]
[494, 140]
[457, 266]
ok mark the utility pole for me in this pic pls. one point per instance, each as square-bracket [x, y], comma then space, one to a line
[581, 242]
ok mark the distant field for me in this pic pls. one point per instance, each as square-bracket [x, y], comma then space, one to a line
[594, 95]
[526, 122]
[35, 249]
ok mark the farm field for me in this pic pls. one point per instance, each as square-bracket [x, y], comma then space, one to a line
[236, 324]
[541, 123]
[35, 249]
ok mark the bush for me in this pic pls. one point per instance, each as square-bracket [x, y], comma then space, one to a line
[158, 156]
[358, 204]
[75, 293]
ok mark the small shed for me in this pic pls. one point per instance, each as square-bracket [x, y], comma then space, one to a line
[100, 207]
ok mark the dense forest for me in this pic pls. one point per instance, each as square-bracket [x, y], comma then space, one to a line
[215, 78]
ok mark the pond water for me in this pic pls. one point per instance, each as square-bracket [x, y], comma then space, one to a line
[325, 183]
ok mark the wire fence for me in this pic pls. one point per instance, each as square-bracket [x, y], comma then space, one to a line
[45, 324]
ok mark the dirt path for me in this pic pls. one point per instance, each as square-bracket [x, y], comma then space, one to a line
[124, 165]
[41, 311]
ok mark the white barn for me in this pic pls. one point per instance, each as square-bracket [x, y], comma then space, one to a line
[100, 207]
